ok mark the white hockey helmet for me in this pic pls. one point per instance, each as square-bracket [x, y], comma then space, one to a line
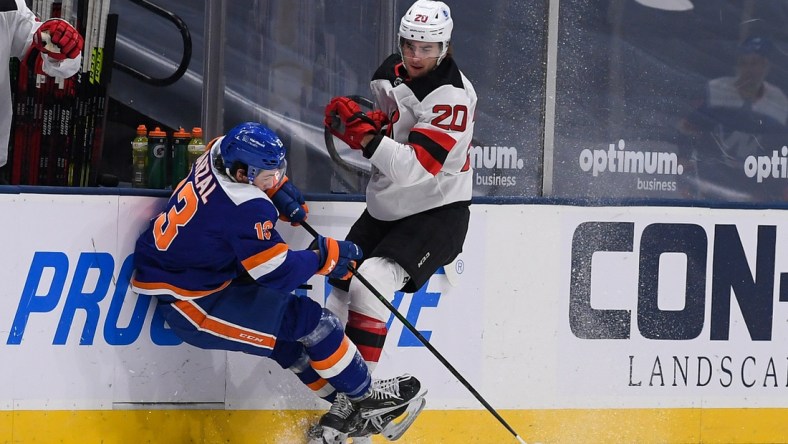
[428, 21]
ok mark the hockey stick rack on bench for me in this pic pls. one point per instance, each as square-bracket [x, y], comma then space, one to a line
[423, 340]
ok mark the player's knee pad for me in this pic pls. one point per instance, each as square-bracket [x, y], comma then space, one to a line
[300, 364]
[386, 276]
[286, 354]
[327, 325]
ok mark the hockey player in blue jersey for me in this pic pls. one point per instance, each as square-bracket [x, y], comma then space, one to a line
[224, 277]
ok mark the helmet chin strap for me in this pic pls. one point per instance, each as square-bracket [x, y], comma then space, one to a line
[444, 51]
[218, 162]
[230, 175]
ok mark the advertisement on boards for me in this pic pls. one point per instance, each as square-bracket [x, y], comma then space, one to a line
[678, 307]
[75, 337]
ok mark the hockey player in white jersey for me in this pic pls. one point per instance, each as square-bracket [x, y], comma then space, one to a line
[59, 44]
[419, 194]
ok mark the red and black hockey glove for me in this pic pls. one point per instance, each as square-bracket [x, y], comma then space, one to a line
[380, 118]
[58, 39]
[289, 201]
[345, 120]
[335, 256]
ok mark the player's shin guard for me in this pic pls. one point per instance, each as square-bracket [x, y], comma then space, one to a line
[366, 324]
[335, 358]
[311, 379]
[369, 335]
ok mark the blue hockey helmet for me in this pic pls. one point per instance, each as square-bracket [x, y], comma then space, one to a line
[256, 146]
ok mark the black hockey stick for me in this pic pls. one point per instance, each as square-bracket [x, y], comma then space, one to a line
[423, 340]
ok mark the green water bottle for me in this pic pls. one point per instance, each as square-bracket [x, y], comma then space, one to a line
[196, 146]
[157, 158]
[139, 158]
[180, 160]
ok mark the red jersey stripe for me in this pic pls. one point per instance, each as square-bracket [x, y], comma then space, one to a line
[426, 160]
[431, 147]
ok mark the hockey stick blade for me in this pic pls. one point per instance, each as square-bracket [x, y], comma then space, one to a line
[423, 340]
[334, 154]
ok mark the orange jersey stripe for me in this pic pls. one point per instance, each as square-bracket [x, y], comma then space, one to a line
[223, 329]
[165, 288]
[317, 385]
[264, 256]
[335, 357]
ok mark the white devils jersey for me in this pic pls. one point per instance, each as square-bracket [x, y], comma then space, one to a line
[424, 162]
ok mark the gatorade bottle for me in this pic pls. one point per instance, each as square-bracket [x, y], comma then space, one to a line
[139, 158]
[180, 160]
[196, 146]
[157, 158]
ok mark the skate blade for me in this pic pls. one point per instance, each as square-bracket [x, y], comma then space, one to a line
[396, 428]
[331, 436]
[321, 440]
[366, 414]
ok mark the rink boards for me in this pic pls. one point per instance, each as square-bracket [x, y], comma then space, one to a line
[579, 324]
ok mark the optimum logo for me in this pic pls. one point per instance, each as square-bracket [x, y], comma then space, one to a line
[764, 167]
[616, 160]
[496, 158]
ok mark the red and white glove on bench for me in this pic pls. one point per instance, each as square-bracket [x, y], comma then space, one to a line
[58, 39]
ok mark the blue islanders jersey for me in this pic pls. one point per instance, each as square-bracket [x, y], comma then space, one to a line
[212, 231]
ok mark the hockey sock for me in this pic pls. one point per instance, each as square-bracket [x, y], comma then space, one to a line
[369, 335]
[319, 386]
[337, 302]
[335, 358]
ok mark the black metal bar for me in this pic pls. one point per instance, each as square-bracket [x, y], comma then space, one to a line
[187, 48]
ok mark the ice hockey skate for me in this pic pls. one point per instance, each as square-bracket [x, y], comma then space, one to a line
[392, 399]
[389, 400]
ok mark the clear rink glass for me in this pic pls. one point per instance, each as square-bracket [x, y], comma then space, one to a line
[624, 117]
